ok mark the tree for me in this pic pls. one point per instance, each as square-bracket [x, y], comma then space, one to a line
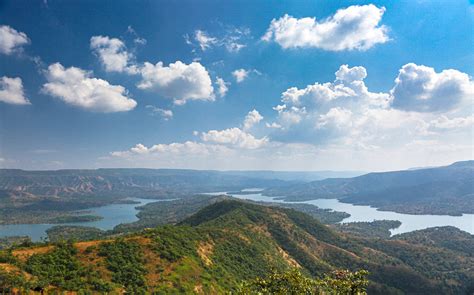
[294, 282]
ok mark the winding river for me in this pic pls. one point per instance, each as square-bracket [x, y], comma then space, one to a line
[116, 214]
[409, 222]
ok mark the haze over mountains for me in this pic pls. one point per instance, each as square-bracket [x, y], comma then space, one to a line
[439, 190]
[45, 196]
[147, 181]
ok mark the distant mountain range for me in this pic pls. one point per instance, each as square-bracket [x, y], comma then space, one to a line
[439, 190]
[146, 181]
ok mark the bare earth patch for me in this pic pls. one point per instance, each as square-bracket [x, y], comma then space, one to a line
[204, 251]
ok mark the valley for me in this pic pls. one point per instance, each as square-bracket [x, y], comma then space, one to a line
[174, 240]
[228, 242]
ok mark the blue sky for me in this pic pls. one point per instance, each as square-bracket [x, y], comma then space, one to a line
[302, 85]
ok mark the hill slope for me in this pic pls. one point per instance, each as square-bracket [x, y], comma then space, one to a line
[440, 190]
[230, 241]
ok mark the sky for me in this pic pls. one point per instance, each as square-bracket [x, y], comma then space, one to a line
[236, 85]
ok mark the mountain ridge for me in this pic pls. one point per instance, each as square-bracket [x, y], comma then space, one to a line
[441, 190]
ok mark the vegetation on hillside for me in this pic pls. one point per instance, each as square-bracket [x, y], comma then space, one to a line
[294, 282]
[233, 245]
[78, 233]
[374, 229]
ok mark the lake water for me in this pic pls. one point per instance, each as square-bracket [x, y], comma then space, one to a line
[116, 214]
[113, 215]
[366, 213]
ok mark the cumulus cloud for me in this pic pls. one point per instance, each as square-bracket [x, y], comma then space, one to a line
[253, 117]
[240, 75]
[178, 81]
[343, 111]
[11, 91]
[237, 137]
[113, 54]
[348, 87]
[176, 149]
[222, 87]
[443, 122]
[11, 40]
[163, 113]
[77, 87]
[355, 27]
[234, 137]
[337, 117]
[419, 88]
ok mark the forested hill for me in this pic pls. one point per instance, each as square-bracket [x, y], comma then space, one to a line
[226, 243]
[440, 190]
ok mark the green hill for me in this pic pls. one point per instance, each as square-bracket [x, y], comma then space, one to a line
[228, 242]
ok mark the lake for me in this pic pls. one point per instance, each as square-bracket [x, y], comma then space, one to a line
[113, 215]
[409, 222]
[116, 214]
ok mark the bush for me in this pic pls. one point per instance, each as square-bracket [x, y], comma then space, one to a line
[125, 260]
[340, 282]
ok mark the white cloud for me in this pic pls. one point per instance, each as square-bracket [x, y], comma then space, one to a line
[232, 39]
[443, 122]
[348, 87]
[234, 46]
[273, 125]
[337, 117]
[421, 89]
[315, 124]
[137, 39]
[235, 38]
[234, 137]
[11, 91]
[76, 87]
[11, 40]
[344, 111]
[164, 113]
[222, 87]
[355, 27]
[178, 81]
[172, 153]
[113, 54]
[253, 117]
[240, 75]
[204, 40]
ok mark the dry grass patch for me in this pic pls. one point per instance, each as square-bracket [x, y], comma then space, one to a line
[204, 251]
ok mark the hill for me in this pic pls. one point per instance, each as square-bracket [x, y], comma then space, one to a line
[227, 242]
[46, 196]
[440, 190]
[49, 196]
